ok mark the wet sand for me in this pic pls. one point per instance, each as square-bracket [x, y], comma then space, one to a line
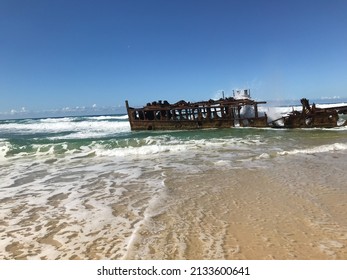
[289, 207]
[293, 210]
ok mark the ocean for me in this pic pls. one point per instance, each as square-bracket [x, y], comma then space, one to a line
[89, 188]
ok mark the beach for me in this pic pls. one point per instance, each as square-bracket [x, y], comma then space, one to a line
[286, 212]
[89, 188]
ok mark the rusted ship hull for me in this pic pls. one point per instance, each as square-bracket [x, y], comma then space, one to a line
[311, 117]
[224, 113]
[194, 124]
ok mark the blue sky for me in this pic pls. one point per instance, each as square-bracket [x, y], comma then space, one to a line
[76, 54]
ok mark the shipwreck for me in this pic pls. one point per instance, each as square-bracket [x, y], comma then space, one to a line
[237, 111]
[312, 117]
[223, 113]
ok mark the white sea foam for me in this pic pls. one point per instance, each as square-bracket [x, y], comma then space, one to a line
[155, 206]
[331, 105]
[5, 147]
[165, 144]
[315, 150]
[141, 151]
[84, 211]
[83, 129]
[57, 120]
[275, 113]
[100, 118]
[104, 129]
[222, 163]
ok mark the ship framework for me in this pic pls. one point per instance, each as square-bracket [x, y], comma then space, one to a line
[312, 117]
[222, 113]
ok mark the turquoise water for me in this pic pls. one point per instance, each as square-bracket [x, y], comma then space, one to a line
[111, 135]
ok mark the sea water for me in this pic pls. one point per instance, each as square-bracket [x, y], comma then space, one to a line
[90, 188]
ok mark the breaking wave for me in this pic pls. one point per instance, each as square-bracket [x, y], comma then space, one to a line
[315, 150]
[67, 128]
[110, 136]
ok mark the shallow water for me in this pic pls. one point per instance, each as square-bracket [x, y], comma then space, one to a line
[89, 188]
